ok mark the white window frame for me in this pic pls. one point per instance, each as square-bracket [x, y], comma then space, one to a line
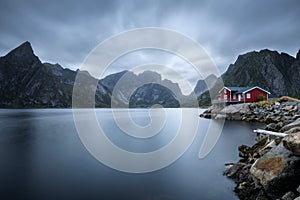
[225, 91]
[248, 95]
[225, 97]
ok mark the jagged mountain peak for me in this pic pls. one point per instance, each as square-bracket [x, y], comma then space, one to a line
[26, 44]
[298, 55]
[267, 51]
[23, 53]
[53, 65]
[252, 54]
[262, 53]
[150, 74]
[24, 48]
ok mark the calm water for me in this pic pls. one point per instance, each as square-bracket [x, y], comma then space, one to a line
[42, 157]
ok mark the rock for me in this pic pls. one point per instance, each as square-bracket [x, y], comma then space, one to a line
[289, 103]
[252, 118]
[261, 196]
[220, 116]
[205, 115]
[244, 118]
[286, 122]
[271, 127]
[298, 189]
[298, 106]
[291, 125]
[267, 169]
[245, 151]
[242, 185]
[298, 198]
[293, 130]
[288, 196]
[288, 108]
[278, 171]
[236, 117]
[296, 117]
[233, 169]
[285, 116]
[279, 124]
[292, 142]
[277, 103]
[210, 109]
[277, 119]
[269, 119]
[277, 140]
[262, 140]
[275, 171]
[277, 112]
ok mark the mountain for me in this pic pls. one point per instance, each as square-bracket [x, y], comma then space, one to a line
[158, 95]
[205, 84]
[26, 82]
[142, 90]
[278, 73]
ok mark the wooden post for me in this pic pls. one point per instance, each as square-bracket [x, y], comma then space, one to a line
[270, 133]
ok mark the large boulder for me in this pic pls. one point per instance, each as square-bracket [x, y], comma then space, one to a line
[236, 108]
[278, 171]
[291, 125]
[293, 130]
[288, 196]
[292, 143]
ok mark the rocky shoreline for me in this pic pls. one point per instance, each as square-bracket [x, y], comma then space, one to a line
[270, 169]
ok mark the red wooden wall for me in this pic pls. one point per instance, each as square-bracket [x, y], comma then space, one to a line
[228, 94]
[254, 95]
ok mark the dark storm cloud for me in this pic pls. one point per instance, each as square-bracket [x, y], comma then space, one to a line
[60, 31]
[66, 31]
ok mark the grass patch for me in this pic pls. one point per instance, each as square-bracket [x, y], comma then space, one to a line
[268, 103]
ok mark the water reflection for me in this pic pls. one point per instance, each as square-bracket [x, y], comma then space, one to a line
[16, 147]
[41, 157]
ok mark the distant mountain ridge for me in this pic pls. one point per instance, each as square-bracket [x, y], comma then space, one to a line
[205, 84]
[26, 82]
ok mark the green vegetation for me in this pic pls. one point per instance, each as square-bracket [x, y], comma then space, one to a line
[261, 98]
[268, 103]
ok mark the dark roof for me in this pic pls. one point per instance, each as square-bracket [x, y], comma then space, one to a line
[239, 90]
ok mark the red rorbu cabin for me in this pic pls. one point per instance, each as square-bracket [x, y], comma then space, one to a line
[243, 94]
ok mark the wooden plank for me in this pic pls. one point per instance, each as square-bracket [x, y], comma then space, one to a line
[270, 133]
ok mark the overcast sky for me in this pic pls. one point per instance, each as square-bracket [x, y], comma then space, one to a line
[65, 32]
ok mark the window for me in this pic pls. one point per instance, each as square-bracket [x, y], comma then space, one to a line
[248, 95]
[225, 91]
[234, 96]
[225, 97]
